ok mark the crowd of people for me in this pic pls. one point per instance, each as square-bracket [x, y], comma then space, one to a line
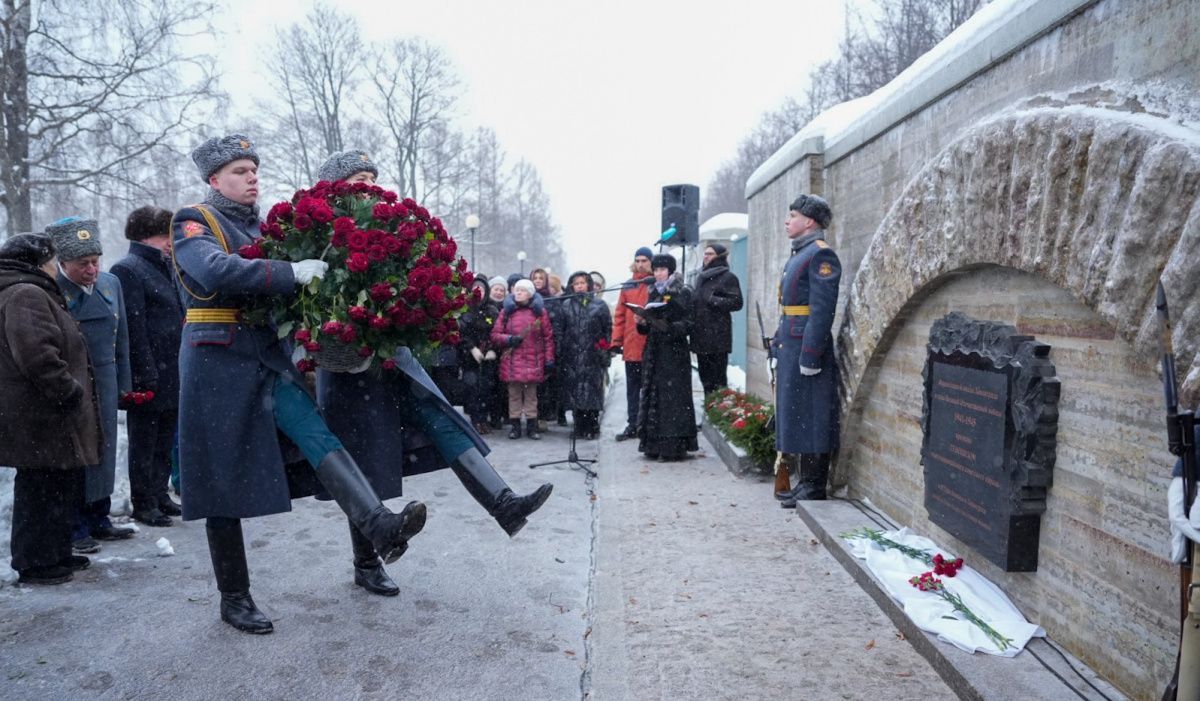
[216, 407]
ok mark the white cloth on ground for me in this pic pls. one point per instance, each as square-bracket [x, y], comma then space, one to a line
[931, 613]
[1185, 523]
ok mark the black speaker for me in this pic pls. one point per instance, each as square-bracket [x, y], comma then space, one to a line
[681, 211]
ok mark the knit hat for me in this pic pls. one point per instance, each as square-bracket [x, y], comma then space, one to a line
[512, 279]
[497, 281]
[75, 237]
[211, 155]
[643, 251]
[663, 260]
[719, 249]
[33, 249]
[524, 284]
[815, 208]
[343, 164]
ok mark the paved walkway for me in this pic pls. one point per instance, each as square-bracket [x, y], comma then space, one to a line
[655, 581]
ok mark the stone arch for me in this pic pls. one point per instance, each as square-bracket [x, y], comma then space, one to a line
[1101, 202]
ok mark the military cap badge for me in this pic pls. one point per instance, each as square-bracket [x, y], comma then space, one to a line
[83, 234]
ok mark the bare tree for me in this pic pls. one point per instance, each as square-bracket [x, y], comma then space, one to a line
[91, 90]
[416, 89]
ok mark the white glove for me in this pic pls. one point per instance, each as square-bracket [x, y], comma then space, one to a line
[490, 355]
[809, 372]
[477, 355]
[308, 270]
[1183, 527]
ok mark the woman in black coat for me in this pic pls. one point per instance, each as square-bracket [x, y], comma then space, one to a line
[584, 327]
[476, 356]
[666, 416]
[718, 295]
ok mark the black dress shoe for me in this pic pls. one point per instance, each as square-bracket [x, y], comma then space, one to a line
[85, 545]
[75, 563]
[239, 611]
[51, 574]
[152, 517]
[375, 579]
[110, 532]
[629, 432]
[169, 507]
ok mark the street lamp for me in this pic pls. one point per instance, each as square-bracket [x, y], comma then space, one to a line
[521, 257]
[472, 225]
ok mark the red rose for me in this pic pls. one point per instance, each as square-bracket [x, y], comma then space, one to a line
[281, 210]
[411, 294]
[303, 336]
[392, 244]
[398, 209]
[377, 253]
[435, 294]
[339, 239]
[382, 292]
[449, 249]
[739, 424]
[344, 224]
[390, 196]
[306, 365]
[382, 211]
[322, 214]
[434, 250]
[302, 221]
[379, 322]
[149, 395]
[349, 334]
[453, 338]
[409, 203]
[358, 313]
[388, 364]
[251, 251]
[332, 328]
[358, 263]
[417, 316]
[312, 346]
[358, 240]
[365, 352]
[443, 275]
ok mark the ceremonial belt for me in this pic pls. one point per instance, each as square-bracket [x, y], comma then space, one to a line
[795, 310]
[213, 316]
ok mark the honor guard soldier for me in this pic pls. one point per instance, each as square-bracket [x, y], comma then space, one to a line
[238, 386]
[806, 396]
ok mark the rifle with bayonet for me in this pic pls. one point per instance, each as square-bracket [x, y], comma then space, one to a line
[782, 482]
[1185, 683]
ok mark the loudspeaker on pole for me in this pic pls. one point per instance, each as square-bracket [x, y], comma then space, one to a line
[680, 215]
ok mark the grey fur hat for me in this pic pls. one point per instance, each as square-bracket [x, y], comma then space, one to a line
[75, 237]
[815, 208]
[343, 164]
[214, 153]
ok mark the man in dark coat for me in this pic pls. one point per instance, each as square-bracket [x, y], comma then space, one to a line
[806, 402]
[96, 301]
[407, 427]
[666, 417]
[238, 387]
[583, 327]
[48, 408]
[718, 295]
[155, 319]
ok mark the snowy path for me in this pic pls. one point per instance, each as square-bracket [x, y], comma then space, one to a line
[704, 588]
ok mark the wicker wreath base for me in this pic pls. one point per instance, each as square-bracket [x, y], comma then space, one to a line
[336, 356]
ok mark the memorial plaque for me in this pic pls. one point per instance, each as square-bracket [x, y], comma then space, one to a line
[989, 420]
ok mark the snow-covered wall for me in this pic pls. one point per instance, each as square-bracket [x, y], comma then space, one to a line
[1042, 168]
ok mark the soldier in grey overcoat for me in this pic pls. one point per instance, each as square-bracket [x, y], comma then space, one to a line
[407, 428]
[238, 387]
[806, 402]
[95, 300]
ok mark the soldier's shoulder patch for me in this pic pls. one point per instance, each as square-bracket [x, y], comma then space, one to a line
[822, 244]
[825, 269]
[193, 228]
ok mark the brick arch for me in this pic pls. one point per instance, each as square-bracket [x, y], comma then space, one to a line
[1099, 202]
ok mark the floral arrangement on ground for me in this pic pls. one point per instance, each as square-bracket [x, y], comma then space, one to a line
[394, 276]
[743, 419]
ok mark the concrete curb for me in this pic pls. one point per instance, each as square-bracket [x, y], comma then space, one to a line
[1037, 673]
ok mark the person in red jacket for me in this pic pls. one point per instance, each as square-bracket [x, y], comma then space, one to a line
[625, 338]
[523, 330]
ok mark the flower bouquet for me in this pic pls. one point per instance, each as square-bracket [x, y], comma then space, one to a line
[394, 276]
[744, 420]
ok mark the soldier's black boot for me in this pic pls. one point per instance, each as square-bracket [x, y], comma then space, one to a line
[228, 553]
[388, 532]
[814, 472]
[494, 495]
[368, 570]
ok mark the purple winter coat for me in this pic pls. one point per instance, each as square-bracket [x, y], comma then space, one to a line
[527, 361]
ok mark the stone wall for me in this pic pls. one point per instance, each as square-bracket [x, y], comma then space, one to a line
[1050, 187]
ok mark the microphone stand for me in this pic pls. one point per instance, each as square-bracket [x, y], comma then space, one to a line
[573, 460]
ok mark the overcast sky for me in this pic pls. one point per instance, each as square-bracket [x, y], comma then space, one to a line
[608, 100]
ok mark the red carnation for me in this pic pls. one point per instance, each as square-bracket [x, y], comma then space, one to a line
[312, 346]
[453, 338]
[382, 292]
[358, 313]
[302, 221]
[251, 251]
[358, 263]
[303, 336]
[399, 209]
[377, 253]
[390, 196]
[358, 240]
[379, 322]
